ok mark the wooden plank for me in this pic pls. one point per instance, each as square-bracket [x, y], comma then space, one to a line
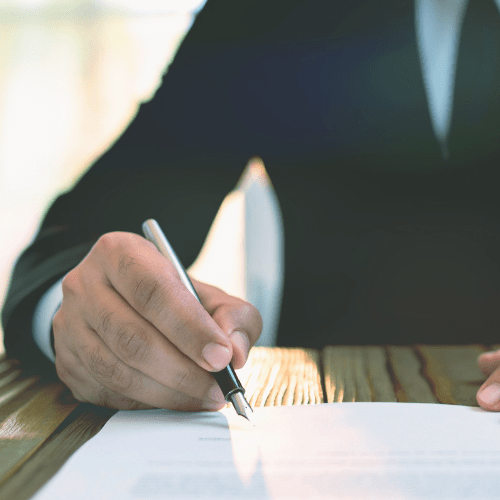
[382, 387]
[282, 376]
[10, 375]
[271, 377]
[7, 364]
[356, 373]
[78, 428]
[409, 383]
[31, 411]
[15, 393]
[452, 372]
[24, 430]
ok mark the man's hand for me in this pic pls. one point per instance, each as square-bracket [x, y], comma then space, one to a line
[130, 335]
[488, 395]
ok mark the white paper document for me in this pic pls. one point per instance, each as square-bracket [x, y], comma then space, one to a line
[326, 451]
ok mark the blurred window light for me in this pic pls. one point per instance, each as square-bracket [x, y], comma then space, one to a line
[72, 75]
[153, 6]
[99, 6]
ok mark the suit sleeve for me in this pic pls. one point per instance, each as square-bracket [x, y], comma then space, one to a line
[140, 177]
[181, 155]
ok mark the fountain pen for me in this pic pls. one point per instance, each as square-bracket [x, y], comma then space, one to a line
[227, 379]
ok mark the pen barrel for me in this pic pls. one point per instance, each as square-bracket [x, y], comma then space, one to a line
[228, 382]
[227, 378]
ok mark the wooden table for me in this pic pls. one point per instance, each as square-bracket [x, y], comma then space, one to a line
[41, 425]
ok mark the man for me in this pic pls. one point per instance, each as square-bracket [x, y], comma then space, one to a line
[388, 188]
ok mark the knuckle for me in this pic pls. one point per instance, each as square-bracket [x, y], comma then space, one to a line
[247, 315]
[114, 375]
[126, 264]
[185, 380]
[129, 259]
[250, 312]
[60, 330]
[104, 318]
[150, 294]
[257, 320]
[70, 283]
[121, 379]
[116, 244]
[132, 343]
[97, 364]
[103, 398]
[106, 243]
[58, 321]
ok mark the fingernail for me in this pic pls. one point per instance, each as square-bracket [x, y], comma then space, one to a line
[216, 355]
[215, 394]
[239, 339]
[491, 394]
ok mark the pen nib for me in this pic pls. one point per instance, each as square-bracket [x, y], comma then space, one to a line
[241, 406]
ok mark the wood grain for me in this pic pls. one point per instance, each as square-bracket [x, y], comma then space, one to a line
[409, 383]
[12, 382]
[356, 373]
[452, 372]
[281, 376]
[84, 422]
[41, 425]
[271, 377]
[25, 429]
[7, 365]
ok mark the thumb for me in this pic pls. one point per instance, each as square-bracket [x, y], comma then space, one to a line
[238, 319]
[488, 395]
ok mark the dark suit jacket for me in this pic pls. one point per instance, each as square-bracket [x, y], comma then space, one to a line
[386, 240]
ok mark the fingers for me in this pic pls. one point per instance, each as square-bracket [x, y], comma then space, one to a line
[150, 284]
[141, 346]
[488, 395]
[130, 335]
[238, 319]
[113, 383]
[118, 378]
[489, 361]
[90, 391]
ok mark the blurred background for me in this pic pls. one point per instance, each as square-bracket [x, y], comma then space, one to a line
[72, 75]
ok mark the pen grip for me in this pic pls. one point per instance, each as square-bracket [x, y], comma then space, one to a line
[228, 382]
